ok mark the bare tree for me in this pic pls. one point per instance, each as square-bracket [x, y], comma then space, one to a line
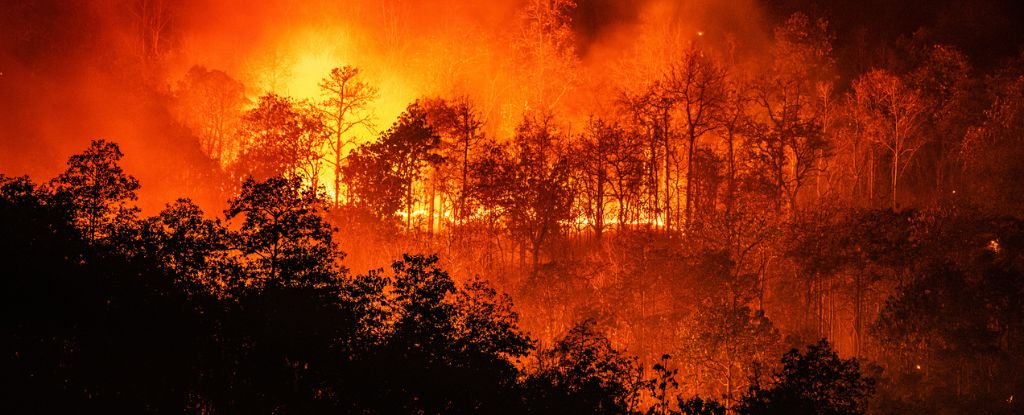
[892, 114]
[786, 137]
[544, 50]
[347, 98]
[153, 22]
[697, 84]
[592, 168]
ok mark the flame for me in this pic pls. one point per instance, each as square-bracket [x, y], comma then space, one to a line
[302, 60]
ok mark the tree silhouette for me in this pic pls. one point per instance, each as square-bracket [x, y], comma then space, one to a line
[698, 406]
[528, 183]
[459, 125]
[382, 175]
[96, 192]
[786, 137]
[813, 382]
[466, 336]
[661, 385]
[583, 373]
[280, 137]
[591, 164]
[283, 239]
[347, 98]
[191, 247]
[698, 84]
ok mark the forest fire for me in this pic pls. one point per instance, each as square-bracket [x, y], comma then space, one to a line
[515, 206]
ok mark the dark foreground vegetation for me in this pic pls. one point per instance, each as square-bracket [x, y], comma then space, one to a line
[107, 311]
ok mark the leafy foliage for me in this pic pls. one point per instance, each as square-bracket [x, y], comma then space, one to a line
[381, 175]
[813, 382]
[96, 192]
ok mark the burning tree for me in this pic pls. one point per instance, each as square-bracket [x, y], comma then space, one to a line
[545, 50]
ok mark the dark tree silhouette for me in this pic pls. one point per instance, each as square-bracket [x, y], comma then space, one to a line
[96, 192]
[346, 98]
[528, 183]
[280, 137]
[382, 175]
[698, 406]
[583, 373]
[283, 239]
[816, 381]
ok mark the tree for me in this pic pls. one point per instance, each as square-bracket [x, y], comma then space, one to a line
[382, 175]
[627, 170]
[281, 138]
[347, 98]
[437, 330]
[191, 247]
[698, 85]
[814, 382]
[993, 150]
[892, 114]
[660, 387]
[724, 344]
[544, 50]
[698, 406]
[283, 240]
[590, 159]
[952, 333]
[649, 121]
[732, 122]
[210, 103]
[786, 137]
[944, 81]
[153, 22]
[528, 183]
[96, 192]
[80, 314]
[459, 126]
[583, 373]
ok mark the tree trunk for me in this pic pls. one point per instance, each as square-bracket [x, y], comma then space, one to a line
[653, 180]
[668, 182]
[465, 169]
[337, 172]
[689, 181]
[599, 200]
[895, 173]
[408, 208]
[430, 209]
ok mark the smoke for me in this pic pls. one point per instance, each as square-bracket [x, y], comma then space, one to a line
[75, 71]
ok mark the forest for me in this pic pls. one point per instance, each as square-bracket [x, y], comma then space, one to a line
[536, 206]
